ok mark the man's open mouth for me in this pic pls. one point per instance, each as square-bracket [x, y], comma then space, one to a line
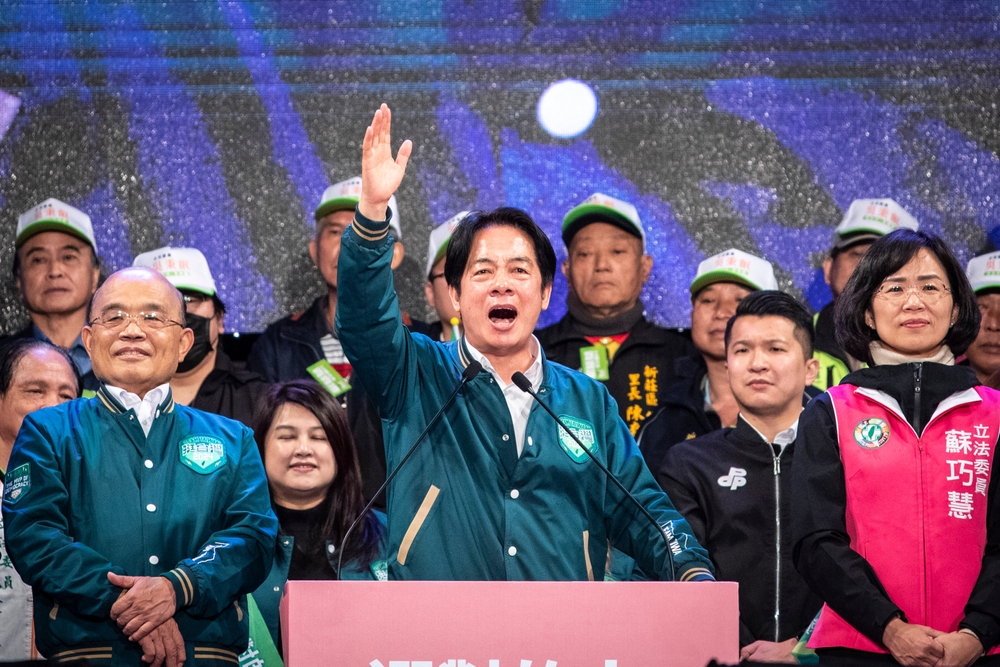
[503, 314]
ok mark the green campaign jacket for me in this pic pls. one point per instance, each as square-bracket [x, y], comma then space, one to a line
[88, 492]
[465, 506]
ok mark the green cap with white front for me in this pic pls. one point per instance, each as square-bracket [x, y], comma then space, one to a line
[603, 208]
[185, 268]
[984, 272]
[344, 196]
[440, 235]
[735, 266]
[53, 215]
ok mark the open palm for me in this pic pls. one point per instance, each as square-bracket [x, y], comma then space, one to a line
[380, 173]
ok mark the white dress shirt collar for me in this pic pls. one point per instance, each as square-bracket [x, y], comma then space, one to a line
[146, 408]
[518, 402]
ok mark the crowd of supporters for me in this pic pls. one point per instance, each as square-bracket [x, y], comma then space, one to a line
[769, 428]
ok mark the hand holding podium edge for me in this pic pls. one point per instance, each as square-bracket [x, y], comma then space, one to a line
[380, 173]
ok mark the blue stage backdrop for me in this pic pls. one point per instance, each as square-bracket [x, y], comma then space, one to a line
[727, 123]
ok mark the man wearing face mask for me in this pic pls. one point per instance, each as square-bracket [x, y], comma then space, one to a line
[207, 379]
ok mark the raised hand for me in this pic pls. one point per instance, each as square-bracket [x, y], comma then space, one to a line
[380, 173]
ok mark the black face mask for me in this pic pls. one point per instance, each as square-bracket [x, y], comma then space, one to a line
[202, 342]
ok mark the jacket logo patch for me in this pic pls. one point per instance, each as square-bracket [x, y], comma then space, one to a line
[871, 433]
[17, 483]
[736, 478]
[583, 430]
[202, 453]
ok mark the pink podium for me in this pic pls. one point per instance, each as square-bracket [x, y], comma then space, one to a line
[509, 624]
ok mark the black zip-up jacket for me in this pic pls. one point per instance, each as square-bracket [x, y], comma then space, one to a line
[230, 391]
[735, 491]
[648, 346]
[682, 415]
[822, 552]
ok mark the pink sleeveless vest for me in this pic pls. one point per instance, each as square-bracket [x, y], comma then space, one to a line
[916, 507]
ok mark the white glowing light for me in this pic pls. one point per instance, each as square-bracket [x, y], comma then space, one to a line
[567, 108]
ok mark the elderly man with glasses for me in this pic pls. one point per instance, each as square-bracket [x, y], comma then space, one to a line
[141, 524]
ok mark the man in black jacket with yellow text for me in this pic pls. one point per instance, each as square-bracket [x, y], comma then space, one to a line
[605, 334]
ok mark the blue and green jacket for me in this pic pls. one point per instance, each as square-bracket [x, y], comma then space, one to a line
[88, 492]
[465, 506]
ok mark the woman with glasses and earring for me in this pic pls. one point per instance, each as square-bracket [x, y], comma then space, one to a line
[896, 518]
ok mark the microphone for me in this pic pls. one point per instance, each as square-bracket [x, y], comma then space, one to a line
[524, 384]
[471, 371]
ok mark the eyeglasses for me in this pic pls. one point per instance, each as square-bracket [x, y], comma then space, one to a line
[117, 320]
[435, 276]
[930, 291]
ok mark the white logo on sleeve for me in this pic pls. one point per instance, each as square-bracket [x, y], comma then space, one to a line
[736, 478]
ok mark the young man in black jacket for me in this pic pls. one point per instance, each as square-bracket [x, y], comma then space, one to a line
[732, 485]
[698, 400]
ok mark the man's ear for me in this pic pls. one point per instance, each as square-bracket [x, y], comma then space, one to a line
[398, 253]
[812, 370]
[429, 294]
[546, 295]
[312, 251]
[88, 336]
[185, 343]
[453, 293]
[827, 269]
[645, 267]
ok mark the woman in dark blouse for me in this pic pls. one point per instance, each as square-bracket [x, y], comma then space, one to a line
[315, 483]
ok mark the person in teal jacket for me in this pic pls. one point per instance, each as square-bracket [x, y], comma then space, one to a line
[497, 491]
[132, 517]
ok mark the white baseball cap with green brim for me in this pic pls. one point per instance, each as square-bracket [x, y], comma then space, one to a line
[440, 235]
[603, 208]
[735, 266]
[984, 272]
[871, 219]
[185, 268]
[53, 215]
[344, 196]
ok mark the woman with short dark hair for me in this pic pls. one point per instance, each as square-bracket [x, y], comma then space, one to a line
[315, 483]
[896, 519]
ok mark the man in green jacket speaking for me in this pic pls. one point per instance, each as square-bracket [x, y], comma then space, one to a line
[498, 491]
[140, 524]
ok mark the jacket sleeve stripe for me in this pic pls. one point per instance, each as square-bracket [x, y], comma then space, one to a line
[418, 521]
[695, 572]
[368, 234]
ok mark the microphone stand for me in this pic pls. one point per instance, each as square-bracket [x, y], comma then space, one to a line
[524, 384]
[471, 371]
